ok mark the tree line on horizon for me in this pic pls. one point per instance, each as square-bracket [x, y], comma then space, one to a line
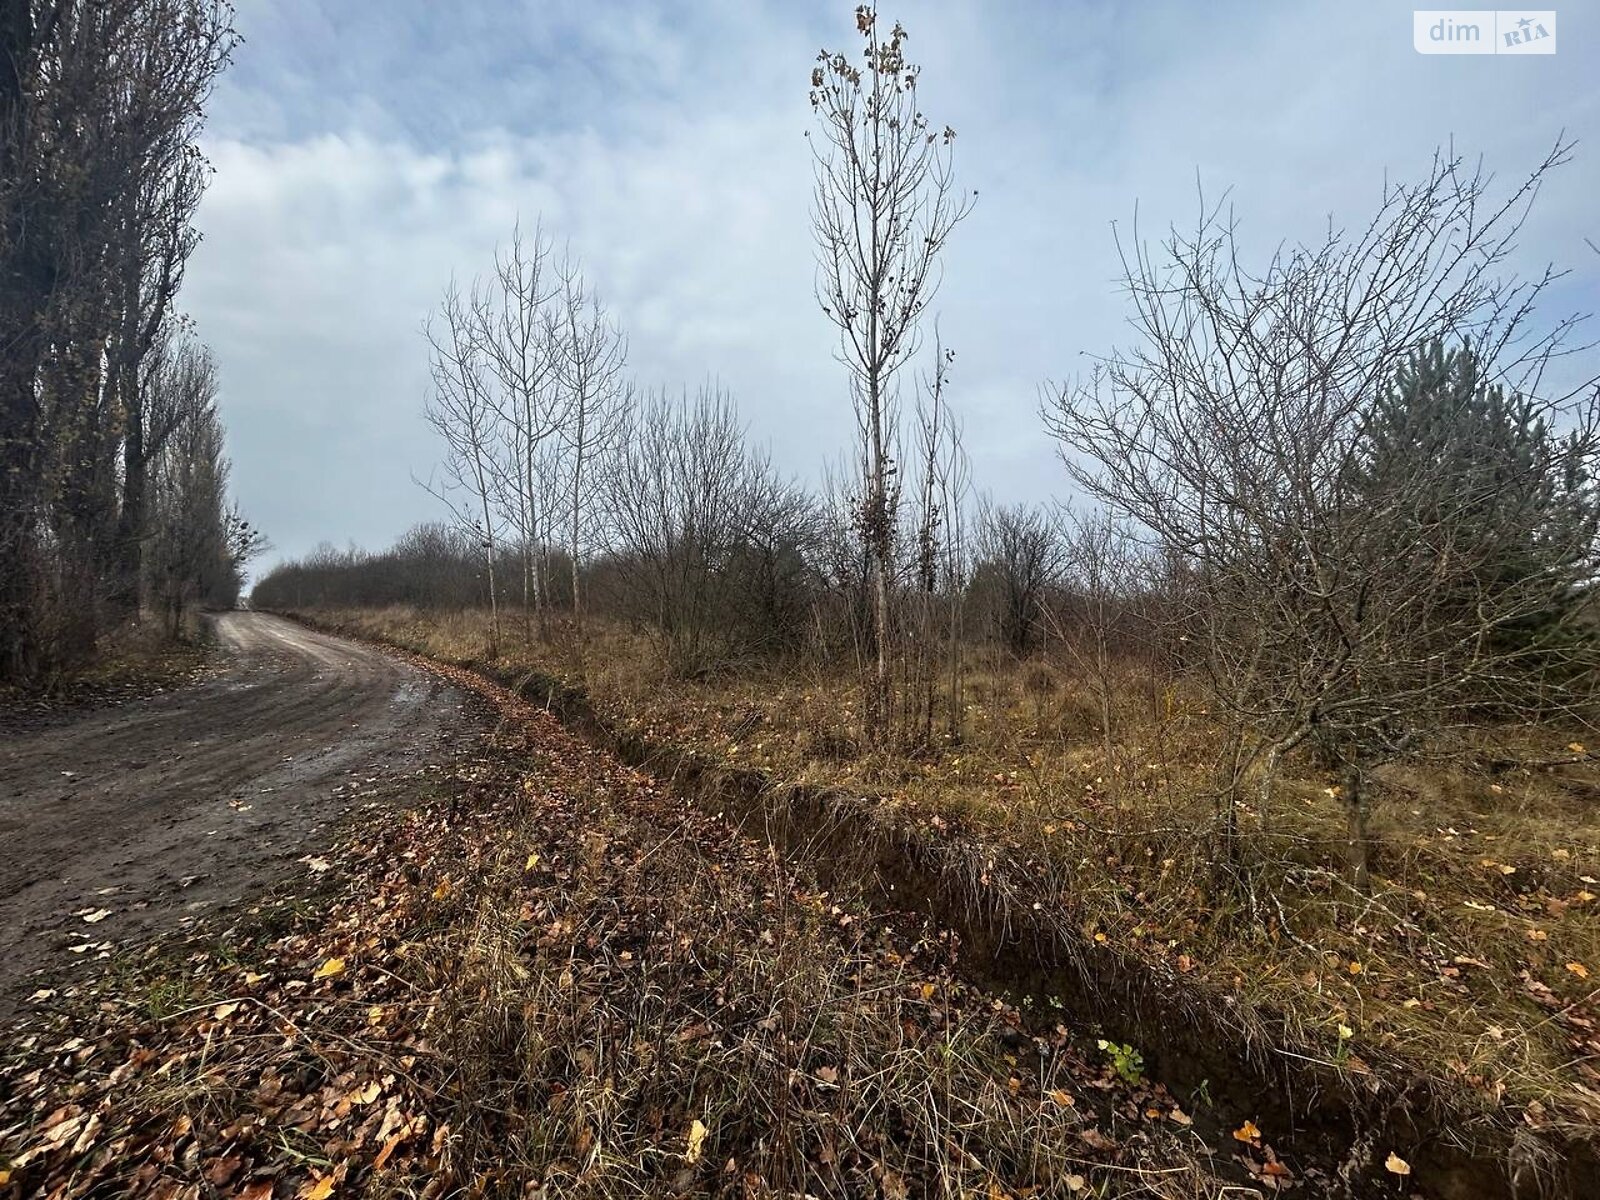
[113, 478]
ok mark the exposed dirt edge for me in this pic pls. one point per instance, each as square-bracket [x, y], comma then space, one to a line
[1191, 1035]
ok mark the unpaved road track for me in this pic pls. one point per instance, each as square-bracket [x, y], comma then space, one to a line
[163, 809]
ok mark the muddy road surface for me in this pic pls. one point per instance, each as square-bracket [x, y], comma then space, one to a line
[127, 820]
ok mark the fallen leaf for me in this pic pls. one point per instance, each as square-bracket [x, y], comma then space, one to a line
[388, 1149]
[1578, 969]
[1396, 1165]
[697, 1140]
[334, 966]
[320, 1190]
[1247, 1132]
[223, 1011]
[94, 918]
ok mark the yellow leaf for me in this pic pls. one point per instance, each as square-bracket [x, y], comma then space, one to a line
[1355, 968]
[1064, 1099]
[223, 1011]
[443, 890]
[334, 966]
[320, 1190]
[1578, 969]
[927, 991]
[533, 861]
[1247, 1132]
[697, 1140]
[1575, 747]
[1396, 1165]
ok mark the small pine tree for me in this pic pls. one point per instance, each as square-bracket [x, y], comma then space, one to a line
[1516, 509]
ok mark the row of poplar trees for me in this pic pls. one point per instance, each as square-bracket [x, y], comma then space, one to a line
[112, 481]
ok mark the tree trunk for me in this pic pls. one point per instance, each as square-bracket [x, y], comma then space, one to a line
[577, 513]
[131, 518]
[1358, 845]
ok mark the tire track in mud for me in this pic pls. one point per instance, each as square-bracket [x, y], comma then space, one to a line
[159, 810]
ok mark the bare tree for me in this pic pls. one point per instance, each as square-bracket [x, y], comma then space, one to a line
[1322, 606]
[592, 354]
[512, 319]
[1098, 620]
[199, 544]
[100, 108]
[885, 204]
[1019, 556]
[462, 410]
[701, 528]
[941, 484]
[955, 485]
[173, 74]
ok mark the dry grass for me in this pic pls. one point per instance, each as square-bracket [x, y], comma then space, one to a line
[551, 978]
[1467, 963]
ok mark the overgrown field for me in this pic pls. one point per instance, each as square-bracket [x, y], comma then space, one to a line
[1466, 965]
[549, 977]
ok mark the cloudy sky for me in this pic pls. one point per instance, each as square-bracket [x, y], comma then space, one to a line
[365, 150]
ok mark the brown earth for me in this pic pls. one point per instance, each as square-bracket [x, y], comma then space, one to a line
[130, 820]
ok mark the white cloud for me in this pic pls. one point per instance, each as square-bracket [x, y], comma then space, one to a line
[363, 157]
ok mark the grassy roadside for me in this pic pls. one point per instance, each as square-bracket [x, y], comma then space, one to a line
[1464, 972]
[550, 977]
[134, 663]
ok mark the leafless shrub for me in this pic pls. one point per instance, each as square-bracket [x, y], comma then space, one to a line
[1319, 612]
[710, 544]
[1019, 557]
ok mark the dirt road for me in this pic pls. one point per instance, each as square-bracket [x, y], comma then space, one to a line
[127, 820]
